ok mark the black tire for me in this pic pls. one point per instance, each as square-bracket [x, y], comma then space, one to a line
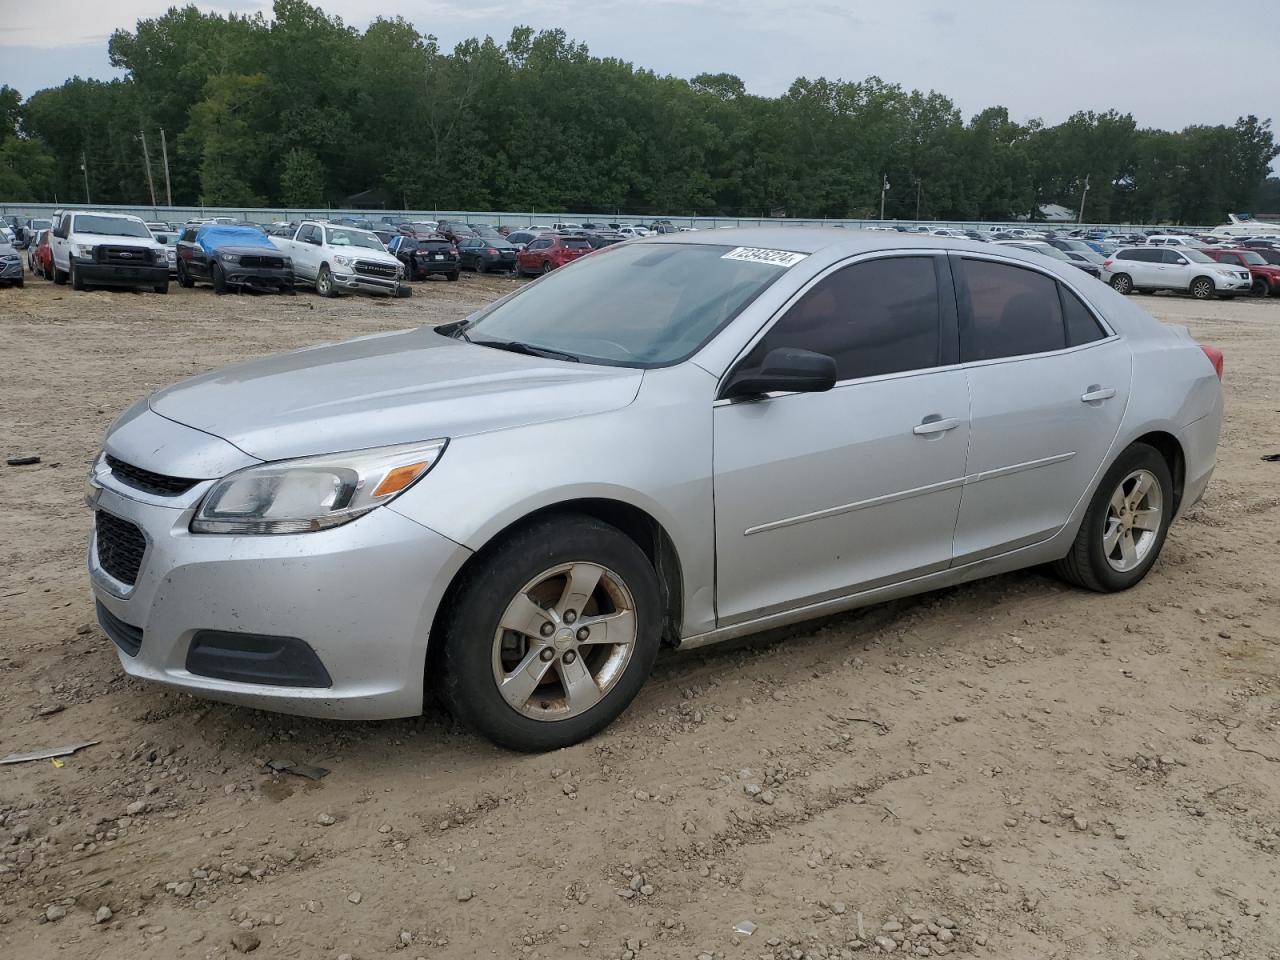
[219, 279]
[324, 282]
[546, 266]
[1086, 565]
[19, 282]
[184, 278]
[59, 277]
[403, 292]
[1122, 283]
[77, 282]
[454, 276]
[1202, 288]
[472, 618]
[1260, 288]
[161, 288]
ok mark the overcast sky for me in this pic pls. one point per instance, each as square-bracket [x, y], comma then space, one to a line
[1170, 63]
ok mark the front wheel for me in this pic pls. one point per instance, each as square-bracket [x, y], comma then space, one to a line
[59, 276]
[219, 279]
[1202, 288]
[546, 266]
[552, 635]
[1122, 283]
[1126, 525]
[184, 278]
[77, 281]
[324, 283]
[1260, 288]
[161, 287]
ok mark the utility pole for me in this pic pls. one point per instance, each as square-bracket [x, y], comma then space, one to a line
[164, 152]
[84, 168]
[146, 159]
[884, 188]
[919, 186]
[1080, 219]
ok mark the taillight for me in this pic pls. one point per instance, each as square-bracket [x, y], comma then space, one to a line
[1215, 357]
[1106, 264]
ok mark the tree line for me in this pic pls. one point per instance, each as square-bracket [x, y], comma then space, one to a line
[303, 111]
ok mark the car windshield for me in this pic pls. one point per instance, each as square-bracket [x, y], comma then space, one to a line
[1253, 259]
[1195, 256]
[497, 243]
[633, 306]
[41, 224]
[110, 226]
[354, 238]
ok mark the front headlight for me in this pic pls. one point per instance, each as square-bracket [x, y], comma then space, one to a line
[343, 261]
[83, 250]
[313, 493]
[230, 257]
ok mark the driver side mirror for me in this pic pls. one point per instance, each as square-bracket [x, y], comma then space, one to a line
[786, 369]
[1181, 261]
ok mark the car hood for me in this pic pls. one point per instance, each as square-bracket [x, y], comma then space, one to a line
[384, 389]
[244, 249]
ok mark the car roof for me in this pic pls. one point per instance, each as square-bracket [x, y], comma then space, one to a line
[810, 240]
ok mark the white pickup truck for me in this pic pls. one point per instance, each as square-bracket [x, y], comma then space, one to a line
[109, 249]
[335, 258]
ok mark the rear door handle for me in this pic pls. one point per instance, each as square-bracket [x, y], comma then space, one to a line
[1095, 393]
[935, 425]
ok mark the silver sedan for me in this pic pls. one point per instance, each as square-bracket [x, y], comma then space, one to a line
[676, 441]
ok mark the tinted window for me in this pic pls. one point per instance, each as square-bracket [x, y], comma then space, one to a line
[1081, 325]
[876, 317]
[576, 244]
[1170, 256]
[1012, 312]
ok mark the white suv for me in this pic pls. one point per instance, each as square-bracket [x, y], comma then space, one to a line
[108, 249]
[1183, 269]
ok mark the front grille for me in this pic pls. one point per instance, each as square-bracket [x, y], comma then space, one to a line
[148, 482]
[124, 635]
[372, 269]
[120, 546]
[124, 256]
[262, 262]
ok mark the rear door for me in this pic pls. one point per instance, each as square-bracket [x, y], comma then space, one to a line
[820, 495]
[1048, 385]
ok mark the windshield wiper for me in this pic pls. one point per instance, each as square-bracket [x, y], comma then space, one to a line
[515, 346]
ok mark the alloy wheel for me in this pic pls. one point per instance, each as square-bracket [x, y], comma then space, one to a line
[1202, 289]
[1121, 284]
[564, 641]
[1132, 524]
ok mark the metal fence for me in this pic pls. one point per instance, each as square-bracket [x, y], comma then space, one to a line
[527, 218]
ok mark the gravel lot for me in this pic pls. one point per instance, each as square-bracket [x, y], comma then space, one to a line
[1007, 769]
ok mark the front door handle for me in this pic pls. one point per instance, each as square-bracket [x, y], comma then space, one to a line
[935, 424]
[1096, 392]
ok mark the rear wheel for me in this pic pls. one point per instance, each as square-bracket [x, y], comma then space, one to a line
[1202, 288]
[454, 275]
[1122, 283]
[552, 635]
[1126, 525]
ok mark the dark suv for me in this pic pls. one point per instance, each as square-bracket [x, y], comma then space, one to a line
[424, 256]
[228, 256]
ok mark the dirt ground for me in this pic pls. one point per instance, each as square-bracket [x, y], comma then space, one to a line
[1009, 769]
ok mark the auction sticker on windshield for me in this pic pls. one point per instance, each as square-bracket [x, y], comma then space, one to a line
[776, 258]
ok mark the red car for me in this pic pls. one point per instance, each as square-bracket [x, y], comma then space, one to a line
[40, 256]
[1266, 276]
[548, 252]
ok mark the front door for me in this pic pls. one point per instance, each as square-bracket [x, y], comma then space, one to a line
[1048, 387]
[819, 495]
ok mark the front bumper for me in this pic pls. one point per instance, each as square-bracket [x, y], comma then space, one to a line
[1234, 284]
[11, 270]
[361, 597]
[360, 281]
[111, 275]
[258, 278]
